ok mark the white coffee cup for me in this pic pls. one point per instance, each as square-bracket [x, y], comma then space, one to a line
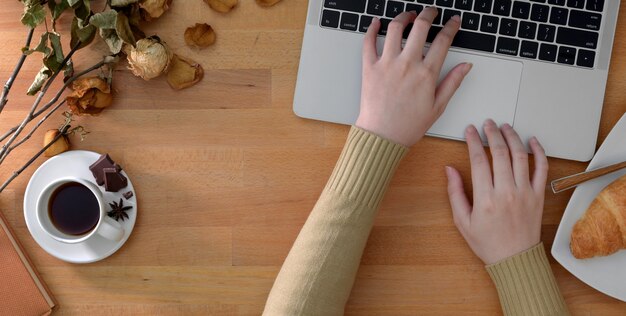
[106, 226]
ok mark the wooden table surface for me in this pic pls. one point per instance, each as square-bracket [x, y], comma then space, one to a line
[226, 175]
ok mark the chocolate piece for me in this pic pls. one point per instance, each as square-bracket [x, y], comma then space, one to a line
[114, 180]
[128, 195]
[97, 168]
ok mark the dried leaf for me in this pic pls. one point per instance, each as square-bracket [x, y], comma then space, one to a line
[200, 35]
[34, 14]
[41, 78]
[60, 145]
[122, 3]
[153, 9]
[57, 48]
[104, 20]
[124, 32]
[184, 73]
[73, 3]
[112, 40]
[223, 6]
[82, 9]
[267, 3]
[57, 8]
[85, 35]
[41, 47]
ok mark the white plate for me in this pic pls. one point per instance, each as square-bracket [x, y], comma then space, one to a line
[74, 163]
[605, 274]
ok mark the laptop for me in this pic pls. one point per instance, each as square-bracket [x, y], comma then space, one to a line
[539, 65]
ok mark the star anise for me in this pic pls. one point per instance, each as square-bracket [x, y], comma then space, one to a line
[118, 210]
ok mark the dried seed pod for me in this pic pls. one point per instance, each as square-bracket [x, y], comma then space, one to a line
[149, 58]
[200, 35]
[60, 145]
[223, 6]
[91, 96]
[184, 73]
[267, 3]
[152, 9]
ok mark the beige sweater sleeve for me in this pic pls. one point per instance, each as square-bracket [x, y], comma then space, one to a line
[526, 285]
[317, 276]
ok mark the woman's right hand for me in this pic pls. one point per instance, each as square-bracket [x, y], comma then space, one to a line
[505, 218]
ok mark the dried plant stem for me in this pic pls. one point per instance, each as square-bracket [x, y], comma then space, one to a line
[16, 71]
[40, 96]
[32, 131]
[29, 162]
[57, 96]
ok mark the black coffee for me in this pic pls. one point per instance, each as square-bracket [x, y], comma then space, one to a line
[74, 209]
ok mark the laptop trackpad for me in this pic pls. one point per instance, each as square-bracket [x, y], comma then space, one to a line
[489, 91]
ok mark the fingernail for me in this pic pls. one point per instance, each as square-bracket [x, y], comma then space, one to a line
[490, 122]
[467, 68]
[506, 126]
[456, 18]
[413, 11]
[448, 172]
[471, 129]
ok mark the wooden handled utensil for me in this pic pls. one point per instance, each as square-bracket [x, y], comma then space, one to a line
[569, 182]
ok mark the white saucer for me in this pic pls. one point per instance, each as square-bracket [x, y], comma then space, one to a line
[605, 274]
[75, 163]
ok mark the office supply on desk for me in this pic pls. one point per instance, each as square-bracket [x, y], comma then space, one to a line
[541, 67]
[22, 292]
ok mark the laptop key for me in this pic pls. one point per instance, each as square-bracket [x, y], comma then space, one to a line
[449, 13]
[426, 1]
[556, 2]
[579, 38]
[502, 7]
[414, 7]
[330, 18]
[483, 6]
[463, 4]
[539, 13]
[394, 8]
[475, 41]
[579, 4]
[384, 24]
[346, 5]
[365, 23]
[376, 7]
[508, 27]
[546, 33]
[349, 21]
[507, 46]
[529, 49]
[585, 58]
[566, 55]
[470, 21]
[547, 52]
[489, 24]
[438, 17]
[558, 16]
[595, 5]
[527, 30]
[445, 3]
[521, 10]
[585, 20]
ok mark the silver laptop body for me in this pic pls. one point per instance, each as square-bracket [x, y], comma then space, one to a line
[557, 102]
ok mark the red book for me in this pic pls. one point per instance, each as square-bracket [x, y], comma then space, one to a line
[22, 292]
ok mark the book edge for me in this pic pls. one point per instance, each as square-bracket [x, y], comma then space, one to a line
[28, 264]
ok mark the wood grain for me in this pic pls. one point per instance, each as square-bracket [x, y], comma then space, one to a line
[226, 176]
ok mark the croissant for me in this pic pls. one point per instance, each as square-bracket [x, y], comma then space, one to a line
[602, 230]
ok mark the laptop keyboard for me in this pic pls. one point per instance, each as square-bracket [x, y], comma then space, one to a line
[558, 31]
